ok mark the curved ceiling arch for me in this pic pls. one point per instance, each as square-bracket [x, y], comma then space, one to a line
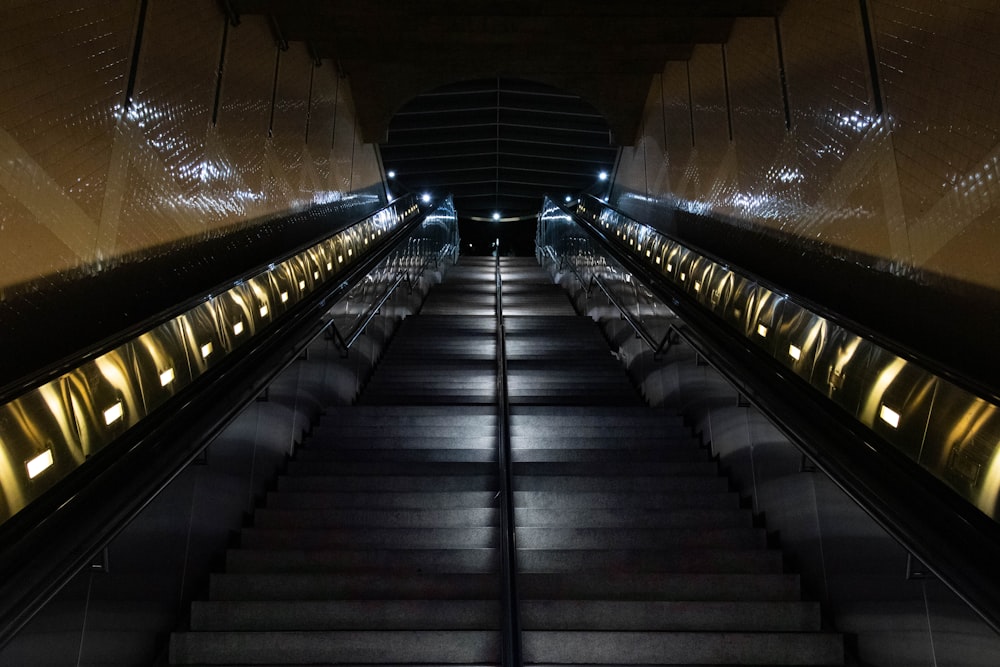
[498, 145]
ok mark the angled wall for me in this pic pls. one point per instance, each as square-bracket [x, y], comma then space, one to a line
[865, 128]
[129, 124]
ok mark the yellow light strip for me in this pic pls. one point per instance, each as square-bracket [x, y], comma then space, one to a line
[114, 413]
[39, 464]
[889, 416]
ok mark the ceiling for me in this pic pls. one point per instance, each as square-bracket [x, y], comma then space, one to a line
[500, 99]
[498, 145]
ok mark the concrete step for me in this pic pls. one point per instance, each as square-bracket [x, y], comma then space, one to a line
[706, 648]
[354, 585]
[369, 537]
[660, 616]
[308, 456]
[619, 468]
[442, 561]
[336, 647]
[289, 499]
[625, 499]
[618, 445]
[374, 518]
[417, 441]
[668, 560]
[282, 615]
[388, 483]
[591, 517]
[658, 586]
[648, 452]
[589, 537]
[383, 468]
[651, 484]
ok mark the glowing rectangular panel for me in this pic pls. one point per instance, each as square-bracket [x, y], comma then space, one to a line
[263, 311]
[648, 253]
[238, 328]
[340, 258]
[684, 276]
[302, 284]
[206, 350]
[316, 275]
[889, 416]
[39, 464]
[670, 267]
[762, 331]
[284, 297]
[166, 377]
[697, 286]
[329, 266]
[114, 413]
[657, 260]
[794, 352]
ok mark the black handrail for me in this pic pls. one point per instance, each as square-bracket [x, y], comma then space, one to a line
[955, 540]
[55, 536]
[508, 544]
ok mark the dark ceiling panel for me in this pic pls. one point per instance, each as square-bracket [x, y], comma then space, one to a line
[516, 142]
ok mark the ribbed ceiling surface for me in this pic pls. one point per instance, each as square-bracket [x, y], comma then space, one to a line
[498, 145]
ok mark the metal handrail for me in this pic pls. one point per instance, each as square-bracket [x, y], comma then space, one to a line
[93, 505]
[957, 542]
[508, 544]
[346, 343]
[669, 338]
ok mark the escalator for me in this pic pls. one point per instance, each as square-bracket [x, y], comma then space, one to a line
[382, 542]
[385, 538]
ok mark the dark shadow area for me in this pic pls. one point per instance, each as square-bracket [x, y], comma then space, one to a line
[480, 238]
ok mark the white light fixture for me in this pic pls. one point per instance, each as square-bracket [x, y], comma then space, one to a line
[340, 259]
[762, 331]
[648, 253]
[284, 297]
[496, 215]
[670, 267]
[302, 284]
[166, 377]
[683, 276]
[39, 464]
[794, 352]
[238, 328]
[206, 350]
[114, 413]
[425, 198]
[697, 286]
[568, 199]
[889, 416]
[263, 310]
[329, 266]
[315, 275]
[390, 174]
[603, 176]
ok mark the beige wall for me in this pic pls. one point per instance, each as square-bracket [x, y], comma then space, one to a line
[918, 185]
[83, 179]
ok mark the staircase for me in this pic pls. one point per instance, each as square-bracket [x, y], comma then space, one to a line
[380, 544]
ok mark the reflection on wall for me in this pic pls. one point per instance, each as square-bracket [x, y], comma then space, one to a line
[785, 128]
[89, 172]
